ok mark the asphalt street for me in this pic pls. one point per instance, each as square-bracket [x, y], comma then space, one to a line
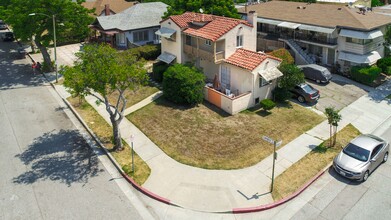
[47, 169]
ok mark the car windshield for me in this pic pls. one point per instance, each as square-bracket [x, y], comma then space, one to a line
[356, 152]
[307, 88]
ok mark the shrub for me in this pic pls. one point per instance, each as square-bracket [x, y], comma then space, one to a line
[267, 104]
[365, 75]
[148, 52]
[284, 55]
[281, 94]
[183, 84]
[384, 64]
[158, 70]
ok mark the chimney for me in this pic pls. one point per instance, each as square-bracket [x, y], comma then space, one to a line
[252, 18]
[107, 10]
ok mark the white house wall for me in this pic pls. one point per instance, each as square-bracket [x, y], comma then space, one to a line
[173, 47]
[264, 92]
[249, 39]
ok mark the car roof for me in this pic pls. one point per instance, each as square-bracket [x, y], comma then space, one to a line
[313, 66]
[367, 141]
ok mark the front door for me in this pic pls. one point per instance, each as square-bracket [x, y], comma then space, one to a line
[330, 56]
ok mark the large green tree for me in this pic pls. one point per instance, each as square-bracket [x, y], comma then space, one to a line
[71, 20]
[102, 71]
[217, 7]
[292, 76]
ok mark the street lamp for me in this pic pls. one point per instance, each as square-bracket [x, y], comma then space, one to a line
[55, 43]
[132, 139]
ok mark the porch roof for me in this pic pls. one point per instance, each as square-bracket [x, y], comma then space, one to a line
[166, 57]
[316, 29]
[165, 32]
[361, 35]
[289, 25]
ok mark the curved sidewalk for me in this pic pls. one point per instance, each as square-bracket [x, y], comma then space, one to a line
[223, 190]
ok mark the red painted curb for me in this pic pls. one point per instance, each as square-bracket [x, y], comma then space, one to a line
[280, 202]
[145, 191]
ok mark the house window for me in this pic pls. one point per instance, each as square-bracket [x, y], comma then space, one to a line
[188, 40]
[225, 77]
[156, 37]
[239, 41]
[263, 82]
[208, 42]
[140, 36]
[121, 38]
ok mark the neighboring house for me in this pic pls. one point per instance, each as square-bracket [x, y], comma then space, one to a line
[224, 48]
[321, 33]
[136, 26]
[108, 7]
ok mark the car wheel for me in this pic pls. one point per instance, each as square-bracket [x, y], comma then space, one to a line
[385, 158]
[366, 175]
[300, 99]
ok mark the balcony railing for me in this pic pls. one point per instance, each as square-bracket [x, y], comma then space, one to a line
[203, 54]
[300, 37]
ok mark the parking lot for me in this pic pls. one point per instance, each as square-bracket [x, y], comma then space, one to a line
[339, 92]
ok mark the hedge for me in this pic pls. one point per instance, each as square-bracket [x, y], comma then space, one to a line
[267, 104]
[385, 65]
[148, 52]
[284, 55]
[158, 70]
[365, 75]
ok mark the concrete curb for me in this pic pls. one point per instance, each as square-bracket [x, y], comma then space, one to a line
[282, 201]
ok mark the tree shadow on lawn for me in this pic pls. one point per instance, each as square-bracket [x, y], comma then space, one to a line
[257, 109]
[62, 156]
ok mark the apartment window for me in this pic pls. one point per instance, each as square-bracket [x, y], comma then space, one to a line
[140, 36]
[358, 41]
[263, 82]
[188, 40]
[239, 41]
[208, 42]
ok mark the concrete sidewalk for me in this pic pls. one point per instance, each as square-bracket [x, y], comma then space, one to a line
[222, 190]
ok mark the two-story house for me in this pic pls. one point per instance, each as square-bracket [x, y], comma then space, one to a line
[224, 48]
[135, 26]
[321, 33]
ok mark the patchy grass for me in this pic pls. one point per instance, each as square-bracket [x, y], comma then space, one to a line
[134, 97]
[306, 168]
[206, 137]
[104, 132]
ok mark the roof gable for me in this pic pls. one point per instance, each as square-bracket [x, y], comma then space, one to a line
[210, 27]
[115, 6]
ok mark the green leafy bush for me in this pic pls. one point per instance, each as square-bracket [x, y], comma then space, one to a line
[365, 75]
[292, 75]
[267, 104]
[284, 55]
[148, 52]
[183, 84]
[157, 71]
[281, 94]
[385, 64]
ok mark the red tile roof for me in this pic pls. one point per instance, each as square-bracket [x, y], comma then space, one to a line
[215, 26]
[248, 59]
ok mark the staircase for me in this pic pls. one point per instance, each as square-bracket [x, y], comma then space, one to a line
[300, 52]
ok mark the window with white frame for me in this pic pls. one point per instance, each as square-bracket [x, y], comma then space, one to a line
[139, 36]
[239, 41]
[156, 37]
[121, 38]
[225, 77]
[208, 42]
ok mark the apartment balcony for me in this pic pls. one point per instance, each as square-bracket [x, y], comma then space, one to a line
[363, 48]
[207, 55]
[305, 38]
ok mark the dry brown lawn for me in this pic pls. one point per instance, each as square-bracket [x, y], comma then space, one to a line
[206, 137]
[104, 132]
[134, 97]
[306, 168]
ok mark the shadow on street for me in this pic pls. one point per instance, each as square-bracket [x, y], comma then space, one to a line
[62, 156]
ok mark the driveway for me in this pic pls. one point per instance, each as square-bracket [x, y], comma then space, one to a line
[339, 92]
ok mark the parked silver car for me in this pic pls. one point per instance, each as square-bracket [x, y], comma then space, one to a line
[361, 157]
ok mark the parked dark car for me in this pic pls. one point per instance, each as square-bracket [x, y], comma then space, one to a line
[305, 93]
[8, 36]
[3, 25]
[316, 73]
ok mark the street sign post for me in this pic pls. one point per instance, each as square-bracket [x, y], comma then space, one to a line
[275, 145]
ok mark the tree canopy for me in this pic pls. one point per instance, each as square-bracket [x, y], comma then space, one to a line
[217, 7]
[292, 76]
[102, 71]
[71, 20]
